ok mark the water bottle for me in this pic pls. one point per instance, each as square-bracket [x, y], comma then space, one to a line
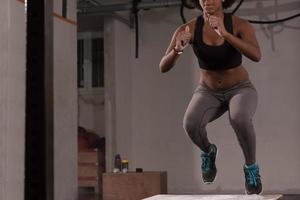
[118, 164]
[125, 166]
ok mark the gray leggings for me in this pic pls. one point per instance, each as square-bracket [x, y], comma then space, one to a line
[207, 105]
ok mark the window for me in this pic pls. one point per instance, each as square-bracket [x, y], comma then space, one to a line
[80, 60]
[90, 64]
[97, 62]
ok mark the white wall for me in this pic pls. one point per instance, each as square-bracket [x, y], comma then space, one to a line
[90, 99]
[146, 125]
[65, 103]
[12, 99]
[91, 112]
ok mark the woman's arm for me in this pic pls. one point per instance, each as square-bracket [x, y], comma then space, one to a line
[170, 57]
[180, 40]
[245, 40]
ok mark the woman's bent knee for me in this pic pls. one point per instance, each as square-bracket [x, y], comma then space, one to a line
[241, 122]
[192, 127]
[189, 126]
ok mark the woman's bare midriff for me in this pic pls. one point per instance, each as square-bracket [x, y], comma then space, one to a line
[223, 79]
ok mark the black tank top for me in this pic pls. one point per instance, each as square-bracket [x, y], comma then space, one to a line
[212, 57]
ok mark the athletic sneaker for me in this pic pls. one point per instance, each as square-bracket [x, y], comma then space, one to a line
[209, 170]
[253, 183]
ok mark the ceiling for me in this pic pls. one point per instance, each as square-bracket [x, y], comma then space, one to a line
[88, 7]
[89, 22]
[92, 3]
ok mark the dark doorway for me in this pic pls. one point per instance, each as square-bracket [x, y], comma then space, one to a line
[39, 182]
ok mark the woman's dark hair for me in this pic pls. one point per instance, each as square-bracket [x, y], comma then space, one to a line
[225, 4]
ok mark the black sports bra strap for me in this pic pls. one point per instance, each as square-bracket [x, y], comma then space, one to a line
[228, 22]
[198, 27]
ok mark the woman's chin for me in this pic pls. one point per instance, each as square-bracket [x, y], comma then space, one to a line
[210, 11]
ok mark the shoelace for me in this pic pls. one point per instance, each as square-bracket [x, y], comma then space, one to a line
[205, 161]
[251, 175]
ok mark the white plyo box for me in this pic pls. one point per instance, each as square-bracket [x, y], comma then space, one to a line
[215, 197]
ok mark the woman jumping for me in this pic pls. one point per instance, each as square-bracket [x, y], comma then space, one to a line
[219, 40]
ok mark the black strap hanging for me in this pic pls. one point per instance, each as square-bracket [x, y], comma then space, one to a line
[135, 11]
[266, 22]
[182, 12]
[237, 7]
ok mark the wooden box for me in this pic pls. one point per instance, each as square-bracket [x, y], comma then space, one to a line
[90, 169]
[133, 186]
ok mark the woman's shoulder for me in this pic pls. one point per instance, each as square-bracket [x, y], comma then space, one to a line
[240, 23]
[238, 19]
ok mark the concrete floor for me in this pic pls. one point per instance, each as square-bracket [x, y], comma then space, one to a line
[88, 197]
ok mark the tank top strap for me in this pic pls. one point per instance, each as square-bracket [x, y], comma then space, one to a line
[198, 29]
[228, 22]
